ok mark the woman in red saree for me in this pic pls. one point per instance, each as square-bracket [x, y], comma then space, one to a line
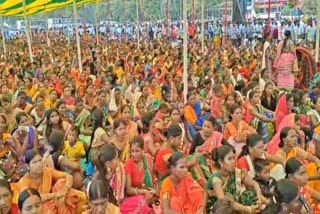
[174, 135]
[180, 193]
[139, 180]
[285, 105]
[285, 62]
[6, 194]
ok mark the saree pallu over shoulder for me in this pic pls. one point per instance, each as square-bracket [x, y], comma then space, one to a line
[214, 141]
[82, 118]
[74, 202]
[187, 198]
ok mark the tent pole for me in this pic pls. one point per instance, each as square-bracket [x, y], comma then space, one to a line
[138, 23]
[27, 30]
[2, 35]
[47, 31]
[318, 33]
[97, 21]
[185, 50]
[225, 22]
[202, 25]
[75, 16]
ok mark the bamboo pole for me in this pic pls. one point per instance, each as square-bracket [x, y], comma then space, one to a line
[202, 25]
[75, 16]
[27, 30]
[185, 50]
[138, 23]
[318, 33]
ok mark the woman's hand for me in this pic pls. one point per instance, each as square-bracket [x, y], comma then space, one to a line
[255, 209]
[301, 134]
[194, 161]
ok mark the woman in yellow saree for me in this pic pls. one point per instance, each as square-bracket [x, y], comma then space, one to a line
[132, 127]
[120, 139]
[288, 148]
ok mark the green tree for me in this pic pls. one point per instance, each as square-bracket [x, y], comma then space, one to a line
[309, 7]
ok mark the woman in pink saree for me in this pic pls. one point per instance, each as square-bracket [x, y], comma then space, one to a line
[291, 120]
[285, 62]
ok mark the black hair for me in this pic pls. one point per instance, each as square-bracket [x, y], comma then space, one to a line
[211, 119]
[259, 164]
[30, 154]
[98, 190]
[176, 156]
[287, 34]
[292, 166]
[285, 192]
[97, 121]
[252, 140]
[19, 116]
[25, 194]
[137, 140]
[48, 128]
[220, 154]
[5, 184]
[124, 107]
[56, 141]
[106, 153]
[79, 100]
[173, 130]
[233, 108]
[283, 134]
[75, 129]
[146, 121]
[251, 94]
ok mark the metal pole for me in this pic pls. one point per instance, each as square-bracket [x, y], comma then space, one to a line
[318, 33]
[138, 23]
[27, 30]
[202, 25]
[167, 18]
[269, 11]
[193, 11]
[225, 22]
[97, 22]
[2, 35]
[185, 50]
[75, 16]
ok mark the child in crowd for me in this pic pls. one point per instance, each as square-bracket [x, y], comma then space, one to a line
[265, 181]
[73, 148]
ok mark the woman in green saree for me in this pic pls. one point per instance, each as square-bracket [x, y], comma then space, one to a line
[82, 120]
[228, 181]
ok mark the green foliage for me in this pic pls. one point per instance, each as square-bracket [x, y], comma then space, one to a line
[309, 7]
[286, 10]
[153, 10]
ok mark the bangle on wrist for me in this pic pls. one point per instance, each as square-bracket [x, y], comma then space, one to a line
[136, 191]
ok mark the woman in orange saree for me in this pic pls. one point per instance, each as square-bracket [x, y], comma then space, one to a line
[54, 187]
[179, 191]
[237, 130]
